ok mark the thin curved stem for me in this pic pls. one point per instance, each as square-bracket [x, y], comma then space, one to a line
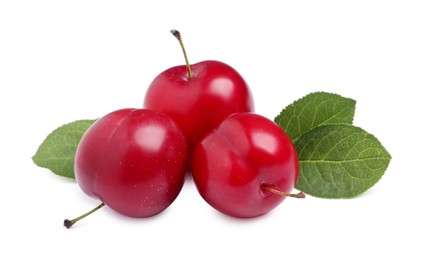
[299, 195]
[68, 223]
[178, 36]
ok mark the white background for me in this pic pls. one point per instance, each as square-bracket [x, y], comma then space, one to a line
[66, 60]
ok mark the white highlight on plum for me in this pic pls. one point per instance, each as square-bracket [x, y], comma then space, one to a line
[222, 87]
[265, 141]
[150, 137]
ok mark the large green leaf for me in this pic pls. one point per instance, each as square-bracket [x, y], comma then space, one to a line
[313, 110]
[339, 161]
[57, 152]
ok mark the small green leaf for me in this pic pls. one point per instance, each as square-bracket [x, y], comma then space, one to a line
[313, 110]
[57, 152]
[339, 161]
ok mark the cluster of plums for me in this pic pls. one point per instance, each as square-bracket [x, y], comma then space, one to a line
[197, 119]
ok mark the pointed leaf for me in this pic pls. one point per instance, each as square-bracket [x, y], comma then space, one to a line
[313, 110]
[339, 161]
[57, 152]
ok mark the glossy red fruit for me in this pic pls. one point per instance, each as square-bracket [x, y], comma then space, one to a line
[215, 91]
[233, 165]
[134, 160]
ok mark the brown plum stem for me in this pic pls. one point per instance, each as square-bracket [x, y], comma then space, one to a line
[68, 223]
[178, 36]
[299, 195]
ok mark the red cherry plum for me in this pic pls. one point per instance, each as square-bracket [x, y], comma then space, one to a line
[236, 164]
[134, 160]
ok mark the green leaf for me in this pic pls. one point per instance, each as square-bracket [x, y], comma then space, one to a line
[57, 152]
[313, 110]
[339, 161]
